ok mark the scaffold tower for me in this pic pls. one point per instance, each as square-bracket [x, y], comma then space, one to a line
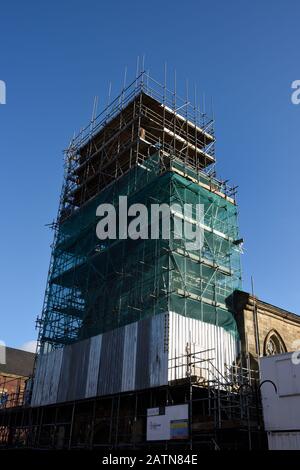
[155, 148]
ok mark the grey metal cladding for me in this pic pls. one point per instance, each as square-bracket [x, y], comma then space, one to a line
[37, 384]
[64, 380]
[52, 375]
[81, 354]
[111, 362]
[48, 374]
[129, 357]
[37, 395]
[158, 362]
[93, 368]
[79, 369]
[142, 371]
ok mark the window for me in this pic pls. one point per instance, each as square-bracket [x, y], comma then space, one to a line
[274, 344]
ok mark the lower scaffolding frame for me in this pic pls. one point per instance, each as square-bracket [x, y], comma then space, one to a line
[221, 416]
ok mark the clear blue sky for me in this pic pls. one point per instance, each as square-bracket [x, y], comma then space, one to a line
[56, 56]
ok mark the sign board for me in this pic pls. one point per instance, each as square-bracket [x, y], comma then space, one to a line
[169, 423]
[156, 411]
[179, 429]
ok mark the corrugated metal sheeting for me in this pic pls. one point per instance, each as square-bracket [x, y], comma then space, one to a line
[284, 440]
[129, 358]
[133, 357]
[211, 344]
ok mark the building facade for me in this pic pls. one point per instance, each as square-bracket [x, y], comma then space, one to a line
[18, 367]
[131, 325]
[265, 329]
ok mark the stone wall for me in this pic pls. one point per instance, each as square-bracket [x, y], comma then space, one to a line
[272, 322]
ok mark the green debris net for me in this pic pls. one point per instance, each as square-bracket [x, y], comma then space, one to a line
[98, 285]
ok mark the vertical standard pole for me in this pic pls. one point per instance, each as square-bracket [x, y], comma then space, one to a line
[93, 425]
[248, 422]
[137, 72]
[117, 423]
[111, 420]
[135, 420]
[255, 319]
[40, 428]
[71, 427]
[54, 437]
[124, 86]
[191, 413]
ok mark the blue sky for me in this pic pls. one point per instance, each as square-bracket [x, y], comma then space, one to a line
[56, 56]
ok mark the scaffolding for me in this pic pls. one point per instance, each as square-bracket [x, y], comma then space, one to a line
[14, 391]
[224, 413]
[154, 148]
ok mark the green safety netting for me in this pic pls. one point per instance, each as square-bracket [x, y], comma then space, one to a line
[98, 285]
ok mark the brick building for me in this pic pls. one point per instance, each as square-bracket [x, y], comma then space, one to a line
[18, 367]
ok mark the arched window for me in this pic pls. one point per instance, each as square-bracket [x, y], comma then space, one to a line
[274, 344]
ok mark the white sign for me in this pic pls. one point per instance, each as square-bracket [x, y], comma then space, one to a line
[152, 411]
[171, 425]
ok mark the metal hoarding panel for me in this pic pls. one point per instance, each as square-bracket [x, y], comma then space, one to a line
[158, 367]
[111, 362]
[142, 376]
[217, 346]
[129, 357]
[65, 372]
[284, 440]
[93, 366]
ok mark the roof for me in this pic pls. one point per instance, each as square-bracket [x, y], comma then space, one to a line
[241, 299]
[18, 362]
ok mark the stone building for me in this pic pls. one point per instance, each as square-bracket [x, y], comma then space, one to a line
[264, 328]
